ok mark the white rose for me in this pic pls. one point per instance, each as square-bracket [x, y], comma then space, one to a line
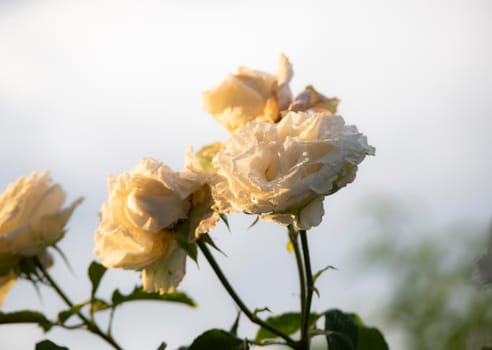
[283, 171]
[31, 219]
[137, 221]
[250, 95]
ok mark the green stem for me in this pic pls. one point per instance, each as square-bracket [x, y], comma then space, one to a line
[91, 326]
[293, 234]
[252, 317]
[310, 289]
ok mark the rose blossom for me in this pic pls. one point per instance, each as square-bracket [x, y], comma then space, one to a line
[137, 222]
[283, 171]
[31, 219]
[250, 95]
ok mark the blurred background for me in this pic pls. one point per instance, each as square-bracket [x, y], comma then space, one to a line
[88, 88]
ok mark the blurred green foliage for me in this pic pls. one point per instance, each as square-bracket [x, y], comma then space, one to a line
[435, 300]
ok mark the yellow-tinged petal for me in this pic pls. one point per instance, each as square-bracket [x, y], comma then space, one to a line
[31, 215]
[165, 274]
[311, 99]
[6, 282]
[250, 95]
[285, 70]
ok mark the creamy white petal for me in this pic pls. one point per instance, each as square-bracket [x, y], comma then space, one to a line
[32, 239]
[250, 95]
[311, 215]
[276, 170]
[155, 212]
[31, 215]
[165, 274]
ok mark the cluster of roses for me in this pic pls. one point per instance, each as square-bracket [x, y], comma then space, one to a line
[283, 156]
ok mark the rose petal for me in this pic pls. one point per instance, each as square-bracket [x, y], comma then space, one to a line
[6, 282]
[155, 212]
[31, 239]
[312, 214]
[165, 274]
[119, 246]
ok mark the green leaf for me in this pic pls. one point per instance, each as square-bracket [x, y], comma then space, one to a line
[63, 256]
[218, 339]
[139, 294]
[371, 339]
[163, 346]
[254, 222]
[26, 316]
[259, 310]
[66, 314]
[320, 272]
[226, 220]
[343, 330]
[27, 267]
[99, 305]
[287, 323]
[49, 345]
[96, 272]
[348, 332]
[207, 239]
[182, 238]
[235, 325]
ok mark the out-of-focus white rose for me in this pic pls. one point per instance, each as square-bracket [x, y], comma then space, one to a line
[31, 219]
[250, 95]
[283, 171]
[138, 221]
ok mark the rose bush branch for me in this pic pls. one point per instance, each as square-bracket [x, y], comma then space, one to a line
[305, 337]
[293, 237]
[223, 279]
[91, 326]
[283, 157]
[306, 282]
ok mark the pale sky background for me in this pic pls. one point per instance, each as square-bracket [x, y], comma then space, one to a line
[87, 88]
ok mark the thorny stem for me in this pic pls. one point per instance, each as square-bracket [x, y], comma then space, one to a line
[293, 234]
[305, 339]
[252, 317]
[91, 326]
